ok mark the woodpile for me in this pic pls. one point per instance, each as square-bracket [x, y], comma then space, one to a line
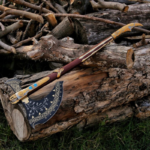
[110, 86]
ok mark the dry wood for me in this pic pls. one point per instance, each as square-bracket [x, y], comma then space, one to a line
[63, 29]
[130, 58]
[65, 50]
[13, 20]
[7, 11]
[11, 28]
[27, 40]
[12, 39]
[29, 5]
[51, 6]
[109, 5]
[26, 30]
[7, 47]
[60, 8]
[18, 35]
[51, 19]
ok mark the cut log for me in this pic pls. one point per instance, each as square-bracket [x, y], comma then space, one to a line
[90, 95]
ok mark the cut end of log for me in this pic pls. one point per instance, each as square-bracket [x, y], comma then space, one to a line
[21, 129]
[51, 19]
[125, 9]
[130, 58]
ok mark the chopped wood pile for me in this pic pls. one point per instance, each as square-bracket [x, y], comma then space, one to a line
[112, 85]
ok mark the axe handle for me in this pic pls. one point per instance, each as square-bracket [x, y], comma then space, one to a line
[57, 73]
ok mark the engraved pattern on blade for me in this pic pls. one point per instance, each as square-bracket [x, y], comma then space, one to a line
[39, 112]
[14, 84]
[124, 29]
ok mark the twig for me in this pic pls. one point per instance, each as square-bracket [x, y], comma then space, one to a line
[99, 19]
[27, 40]
[11, 39]
[11, 28]
[7, 47]
[51, 6]
[25, 32]
[18, 35]
[13, 20]
[27, 4]
[7, 11]
[60, 8]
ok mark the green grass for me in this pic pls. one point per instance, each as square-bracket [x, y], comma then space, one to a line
[132, 134]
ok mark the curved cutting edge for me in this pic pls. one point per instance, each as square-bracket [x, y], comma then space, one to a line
[40, 111]
[124, 29]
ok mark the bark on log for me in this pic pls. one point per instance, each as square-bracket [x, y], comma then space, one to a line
[97, 31]
[64, 51]
[90, 96]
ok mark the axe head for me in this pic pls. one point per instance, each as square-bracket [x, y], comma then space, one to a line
[40, 111]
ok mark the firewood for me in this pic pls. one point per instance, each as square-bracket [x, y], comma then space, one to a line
[12, 39]
[27, 28]
[7, 47]
[30, 15]
[11, 28]
[27, 40]
[109, 5]
[51, 19]
[29, 5]
[60, 8]
[63, 29]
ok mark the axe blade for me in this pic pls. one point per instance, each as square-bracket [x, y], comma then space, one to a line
[40, 111]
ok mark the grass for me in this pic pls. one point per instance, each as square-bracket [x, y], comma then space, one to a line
[132, 134]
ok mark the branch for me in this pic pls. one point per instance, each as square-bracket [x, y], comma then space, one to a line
[27, 4]
[109, 5]
[11, 28]
[7, 11]
[12, 39]
[99, 19]
[7, 47]
[27, 40]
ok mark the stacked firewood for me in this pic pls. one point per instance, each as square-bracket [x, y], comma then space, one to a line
[112, 85]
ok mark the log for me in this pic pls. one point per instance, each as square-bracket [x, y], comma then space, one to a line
[97, 31]
[91, 95]
[65, 50]
[107, 98]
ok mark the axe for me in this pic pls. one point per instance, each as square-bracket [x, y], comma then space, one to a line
[39, 112]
